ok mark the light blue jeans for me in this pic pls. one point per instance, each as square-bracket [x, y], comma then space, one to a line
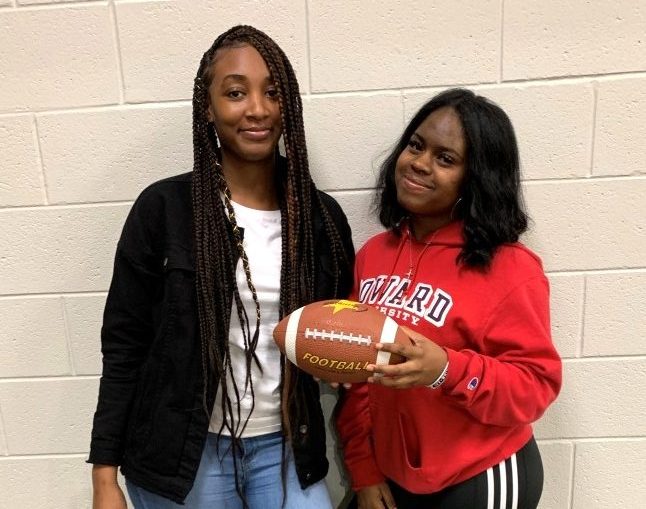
[258, 475]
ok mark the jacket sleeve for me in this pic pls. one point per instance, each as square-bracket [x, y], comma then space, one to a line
[126, 334]
[517, 372]
[354, 425]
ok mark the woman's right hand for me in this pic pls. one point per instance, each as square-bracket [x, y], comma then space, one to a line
[107, 493]
[377, 496]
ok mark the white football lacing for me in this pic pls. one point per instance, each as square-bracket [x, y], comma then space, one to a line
[341, 336]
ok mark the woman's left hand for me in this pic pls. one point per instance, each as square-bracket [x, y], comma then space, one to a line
[424, 362]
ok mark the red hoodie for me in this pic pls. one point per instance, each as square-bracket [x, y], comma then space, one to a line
[503, 368]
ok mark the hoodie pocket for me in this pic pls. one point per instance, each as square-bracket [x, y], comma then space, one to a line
[395, 435]
[410, 442]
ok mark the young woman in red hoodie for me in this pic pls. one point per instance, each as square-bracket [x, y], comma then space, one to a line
[451, 426]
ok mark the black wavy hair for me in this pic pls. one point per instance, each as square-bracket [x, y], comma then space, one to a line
[492, 204]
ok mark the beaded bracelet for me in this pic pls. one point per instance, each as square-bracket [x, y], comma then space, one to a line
[440, 379]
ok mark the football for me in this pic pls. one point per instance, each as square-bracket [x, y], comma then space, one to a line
[334, 340]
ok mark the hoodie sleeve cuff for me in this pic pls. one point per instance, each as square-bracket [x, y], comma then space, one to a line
[458, 364]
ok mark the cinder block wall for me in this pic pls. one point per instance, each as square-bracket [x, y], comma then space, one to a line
[95, 104]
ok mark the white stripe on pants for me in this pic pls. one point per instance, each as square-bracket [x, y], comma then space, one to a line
[501, 471]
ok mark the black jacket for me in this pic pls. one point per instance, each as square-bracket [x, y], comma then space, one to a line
[150, 417]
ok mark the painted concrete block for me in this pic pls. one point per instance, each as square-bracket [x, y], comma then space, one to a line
[614, 314]
[620, 129]
[162, 43]
[32, 338]
[57, 58]
[610, 474]
[554, 38]
[346, 140]
[59, 249]
[20, 174]
[579, 225]
[113, 154]
[403, 44]
[48, 416]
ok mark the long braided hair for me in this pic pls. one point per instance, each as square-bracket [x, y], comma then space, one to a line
[218, 243]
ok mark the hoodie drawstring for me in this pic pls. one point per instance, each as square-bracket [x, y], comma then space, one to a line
[385, 284]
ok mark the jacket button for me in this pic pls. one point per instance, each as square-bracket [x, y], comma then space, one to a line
[308, 476]
[165, 261]
[303, 429]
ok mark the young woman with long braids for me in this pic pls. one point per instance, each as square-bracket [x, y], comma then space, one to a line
[196, 404]
[450, 428]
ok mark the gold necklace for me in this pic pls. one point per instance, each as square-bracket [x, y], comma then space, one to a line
[411, 272]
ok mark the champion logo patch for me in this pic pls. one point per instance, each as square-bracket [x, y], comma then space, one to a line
[473, 383]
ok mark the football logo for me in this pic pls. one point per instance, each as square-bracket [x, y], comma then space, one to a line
[340, 305]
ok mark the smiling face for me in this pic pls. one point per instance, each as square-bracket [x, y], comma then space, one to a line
[430, 170]
[243, 105]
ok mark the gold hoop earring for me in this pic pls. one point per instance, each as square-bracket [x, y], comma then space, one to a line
[455, 205]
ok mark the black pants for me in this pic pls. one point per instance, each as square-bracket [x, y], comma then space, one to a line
[485, 490]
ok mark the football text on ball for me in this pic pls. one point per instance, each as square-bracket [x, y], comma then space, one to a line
[334, 363]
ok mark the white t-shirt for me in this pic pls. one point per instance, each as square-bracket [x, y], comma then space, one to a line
[263, 245]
